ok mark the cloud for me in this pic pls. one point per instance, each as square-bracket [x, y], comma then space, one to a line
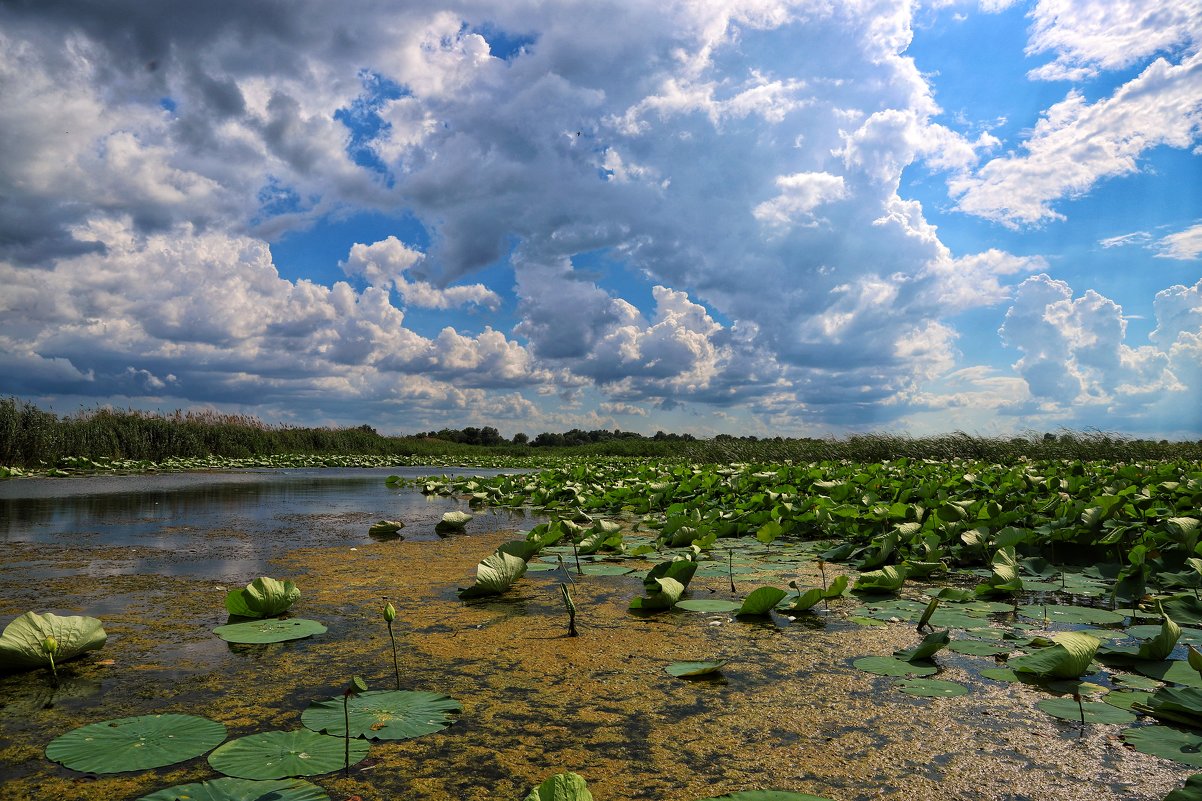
[384, 263]
[1089, 36]
[1184, 245]
[1076, 144]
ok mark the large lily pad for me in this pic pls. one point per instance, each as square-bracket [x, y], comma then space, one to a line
[383, 714]
[453, 521]
[1169, 742]
[931, 688]
[21, 645]
[1192, 791]
[1058, 613]
[766, 795]
[260, 632]
[561, 787]
[888, 666]
[707, 605]
[263, 597]
[230, 789]
[280, 754]
[1094, 711]
[136, 743]
[931, 644]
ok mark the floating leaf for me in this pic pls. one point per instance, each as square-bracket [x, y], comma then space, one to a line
[888, 666]
[766, 795]
[453, 521]
[1095, 711]
[229, 789]
[21, 644]
[761, 601]
[1068, 658]
[259, 632]
[1192, 791]
[679, 570]
[931, 688]
[137, 743]
[1177, 671]
[707, 605]
[263, 597]
[1176, 706]
[561, 787]
[384, 528]
[1001, 674]
[1126, 699]
[669, 592]
[683, 669]
[1153, 650]
[887, 579]
[932, 644]
[1169, 742]
[495, 574]
[383, 714]
[1057, 613]
[605, 569]
[978, 648]
[279, 754]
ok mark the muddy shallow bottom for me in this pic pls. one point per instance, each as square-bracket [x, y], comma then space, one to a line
[788, 711]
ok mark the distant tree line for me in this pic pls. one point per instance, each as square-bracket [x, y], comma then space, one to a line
[489, 436]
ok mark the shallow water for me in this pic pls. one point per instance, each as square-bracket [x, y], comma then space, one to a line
[153, 556]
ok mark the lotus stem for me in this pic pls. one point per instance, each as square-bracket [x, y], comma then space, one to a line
[346, 720]
[826, 602]
[730, 568]
[571, 607]
[575, 553]
[50, 647]
[1081, 707]
[389, 616]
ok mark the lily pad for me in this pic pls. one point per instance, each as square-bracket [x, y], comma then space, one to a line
[978, 648]
[1174, 670]
[761, 601]
[136, 743]
[21, 645]
[385, 528]
[383, 714]
[561, 787]
[259, 632]
[495, 574]
[888, 666]
[263, 597]
[1125, 699]
[1001, 674]
[767, 795]
[1063, 613]
[707, 605]
[279, 754]
[229, 789]
[1068, 658]
[931, 688]
[605, 569]
[1169, 742]
[685, 669]
[1095, 711]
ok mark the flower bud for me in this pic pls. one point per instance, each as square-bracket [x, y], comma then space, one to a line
[389, 612]
[50, 646]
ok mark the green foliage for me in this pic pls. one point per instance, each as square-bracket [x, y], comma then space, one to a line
[135, 743]
[1069, 657]
[495, 575]
[263, 597]
[26, 641]
[269, 630]
[561, 787]
[282, 754]
[228, 789]
[382, 714]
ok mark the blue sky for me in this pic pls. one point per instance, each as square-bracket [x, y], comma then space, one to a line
[749, 217]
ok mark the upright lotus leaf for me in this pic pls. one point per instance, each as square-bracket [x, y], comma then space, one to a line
[1177, 706]
[1184, 608]
[1152, 650]
[21, 645]
[453, 521]
[561, 787]
[1005, 578]
[1068, 658]
[668, 593]
[810, 597]
[495, 574]
[263, 597]
[761, 601]
[931, 644]
[523, 549]
[382, 714]
[887, 579]
[281, 754]
[137, 743]
[228, 789]
[679, 570]
[383, 528]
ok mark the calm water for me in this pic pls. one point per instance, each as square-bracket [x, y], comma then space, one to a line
[222, 524]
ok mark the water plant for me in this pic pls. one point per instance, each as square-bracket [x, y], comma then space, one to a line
[231, 789]
[43, 640]
[389, 617]
[135, 743]
[269, 630]
[561, 787]
[385, 528]
[284, 754]
[356, 686]
[381, 714]
[498, 572]
[452, 522]
[570, 605]
[1067, 657]
[263, 597]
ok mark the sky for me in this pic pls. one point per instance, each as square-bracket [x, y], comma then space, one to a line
[717, 216]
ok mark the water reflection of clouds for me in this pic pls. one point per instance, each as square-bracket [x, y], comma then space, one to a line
[220, 525]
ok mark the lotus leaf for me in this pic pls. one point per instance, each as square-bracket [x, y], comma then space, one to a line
[1005, 577]
[1169, 742]
[382, 714]
[887, 579]
[263, 597]
[1001, 674]
[280, 754]
[495, 574]
[1192, 791]
[680, 570]
[766, 795]
[978, 648]
[1094, 711]
[888, 666]
[1176, 706]
[761, 601]
[685, 669]
[1057, 613]
[137, 743]
[383, 528]
[1153, 650]
[1184, 608]
[669, 592]
[931, 688]
[453, 521]
[561, 787]
[605, 569]
[1174, 670]
[1126, 699]
[21, 644]
[932, 644]
[523, 549]
[261, 632]
[1068, 658]
[228, 789]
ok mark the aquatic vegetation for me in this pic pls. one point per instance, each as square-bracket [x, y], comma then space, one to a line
[570, 605]
[269, 630]
[932, 644]
[807, 599]
[930, 688]
[1170, 742]
[1153, 650]
[230, 789]
[1068, 657]
[453, 522]
[385, 528]
[495, 574]
[766, 795]
[389, 617]
[1004, 579]
[688, 669]
[353, 689]
[39, 640]
[382, 714]
[1074, 710]
[284, 754]
[561, 787]
[263, 597]
[761, 601]
[135, 743]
